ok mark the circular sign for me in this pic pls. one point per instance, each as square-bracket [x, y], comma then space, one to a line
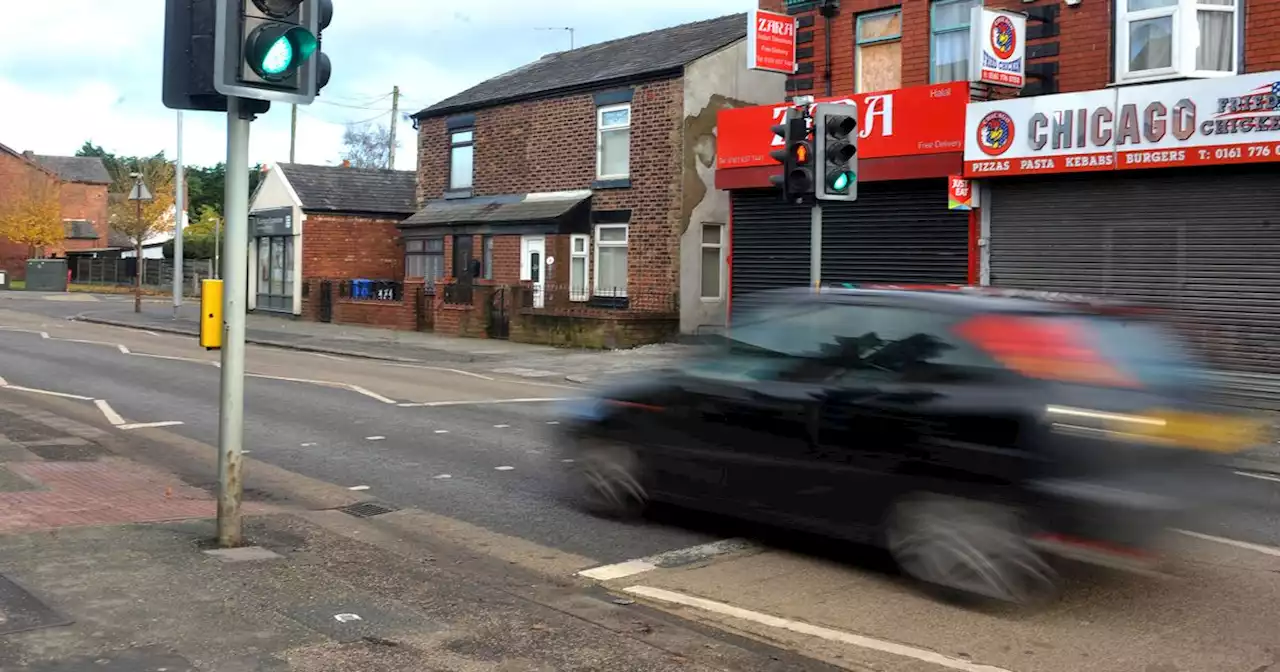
[551, 260]
[995, 133]
[1003, 38]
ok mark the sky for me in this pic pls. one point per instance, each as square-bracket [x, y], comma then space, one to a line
[77, 70]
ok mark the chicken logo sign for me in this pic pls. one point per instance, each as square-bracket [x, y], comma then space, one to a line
[995, 133]
[1004, 38]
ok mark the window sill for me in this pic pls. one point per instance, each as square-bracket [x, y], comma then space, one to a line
[1169, 77]
[457, 193]
[612, 183]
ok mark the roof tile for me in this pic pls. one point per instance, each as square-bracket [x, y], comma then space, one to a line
[339, 189]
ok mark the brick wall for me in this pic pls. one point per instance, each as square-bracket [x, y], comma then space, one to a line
[15, 175]
[550, 145]
[1084, 42]
[89, 202]
[349, 247]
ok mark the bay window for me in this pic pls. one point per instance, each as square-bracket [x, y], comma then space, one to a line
[1159, 39]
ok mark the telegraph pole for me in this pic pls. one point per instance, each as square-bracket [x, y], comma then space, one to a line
[293, 131]
[236, 283]
[178, 210]
[395, 118]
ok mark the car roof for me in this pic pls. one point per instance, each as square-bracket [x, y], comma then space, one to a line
[950, 298]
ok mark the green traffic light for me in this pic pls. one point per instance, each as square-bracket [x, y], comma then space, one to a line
[841, 182]
[275, 51]
[279, 57]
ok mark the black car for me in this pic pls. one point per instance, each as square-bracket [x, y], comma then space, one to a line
[973, 433]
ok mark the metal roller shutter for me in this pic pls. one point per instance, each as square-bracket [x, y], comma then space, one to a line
[770, 244]
[896, 232]
[1203, 245]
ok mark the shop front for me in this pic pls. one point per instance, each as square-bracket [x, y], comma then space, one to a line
[1164, 195]
[901, 229]
[275, 251]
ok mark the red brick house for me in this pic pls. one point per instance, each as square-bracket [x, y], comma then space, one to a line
[321, 235]
[570, 201]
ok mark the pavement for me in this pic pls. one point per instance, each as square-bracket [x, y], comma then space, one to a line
[465, 457]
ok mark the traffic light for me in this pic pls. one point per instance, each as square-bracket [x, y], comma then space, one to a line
[270, 49]
[796, 156]
[835, 134]
[189, 38]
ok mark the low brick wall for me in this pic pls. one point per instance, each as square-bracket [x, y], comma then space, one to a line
[561, 323]
[401, 314]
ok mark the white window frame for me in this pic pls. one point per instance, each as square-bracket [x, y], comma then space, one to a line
[600, 130]
[595, 271]
[934, 31]
[585, 256]
[719, 247]
[1186, 40]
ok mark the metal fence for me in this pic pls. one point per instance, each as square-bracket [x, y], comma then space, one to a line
[156, 273]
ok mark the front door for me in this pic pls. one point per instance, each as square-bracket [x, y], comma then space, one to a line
[533, 255]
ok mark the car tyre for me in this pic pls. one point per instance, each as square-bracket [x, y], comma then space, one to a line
[968, 551]
[609, 480]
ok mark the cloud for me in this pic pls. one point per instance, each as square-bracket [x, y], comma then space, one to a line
[96, 76]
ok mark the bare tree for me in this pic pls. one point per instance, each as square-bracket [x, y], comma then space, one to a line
[367, 146]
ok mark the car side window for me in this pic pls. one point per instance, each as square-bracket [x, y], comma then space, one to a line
[900, 344]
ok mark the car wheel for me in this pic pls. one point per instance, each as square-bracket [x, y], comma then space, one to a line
[609, 480]
[967, 550]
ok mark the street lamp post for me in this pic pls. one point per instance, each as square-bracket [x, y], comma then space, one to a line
[138, 195]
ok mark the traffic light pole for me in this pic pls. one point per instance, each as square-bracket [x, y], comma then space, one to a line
[815, 246]
[178, 211]
[235, 290]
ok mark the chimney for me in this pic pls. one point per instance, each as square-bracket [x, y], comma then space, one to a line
[346, 163]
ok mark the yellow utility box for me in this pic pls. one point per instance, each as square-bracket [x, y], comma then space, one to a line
[211, 314]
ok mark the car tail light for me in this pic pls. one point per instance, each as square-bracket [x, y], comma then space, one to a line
[1046, 349]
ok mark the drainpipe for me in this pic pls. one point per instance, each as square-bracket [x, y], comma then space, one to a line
[828, 9]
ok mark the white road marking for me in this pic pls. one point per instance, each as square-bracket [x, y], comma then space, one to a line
[371, 394]
[437, 368]
[444, 476]
[526, 373]
[110, 413]
[1259, 548]
[82, 340]
[50, 393]
[4, 383]
[21, 330]
[484, 402]
[503, 468]
[553, 422]
[501, 426]
[567, 461]
[829, 634]
[1262, 477]
[306, 445]
[327, 356]
[676, 558]
[358, 487]
[442, 431]
[148, 425]
[44, 334]
[375, 438]
[169, 357]
[123, 350]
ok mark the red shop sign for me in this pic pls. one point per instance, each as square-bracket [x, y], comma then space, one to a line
[903, 122]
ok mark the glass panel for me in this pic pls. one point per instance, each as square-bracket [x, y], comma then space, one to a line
[434, 244]
[579, 245]
[415, 266]
[949, 15]
[950, 57]
[1217, 41]
[1220, 3]
[578, 278]
[463, 136]
[711, 234]
[1151, 44]
[880, 26]
[612, 234]
[711, 273]
[413, 246]
[264, 265]
[615, 152]
[487, 259]
[460, 167]
[1139, 5]
[535, 267]
[612, 280]
[277, 266]
[620, 117]
[288, 266]
[880, 67]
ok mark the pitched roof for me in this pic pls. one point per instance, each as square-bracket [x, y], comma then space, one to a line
[83, 169]
[631, 57]
[339, 189]
[512, 208]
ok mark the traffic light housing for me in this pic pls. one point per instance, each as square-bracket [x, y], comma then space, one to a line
[796, 156]
[835, 135]
[270, 49]
[189, 38]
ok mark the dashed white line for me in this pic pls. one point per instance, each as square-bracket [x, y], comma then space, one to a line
[306, 445]
[1261, 477]
[358, 488]
[483, 402]
[1259, 548]
[442, 431]
[503, 468]
[110, 413]
[567, 460]
[149, 425]
[553, 422]
[375, 438]
[444, 476]
[501, 426]
[829, 634]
